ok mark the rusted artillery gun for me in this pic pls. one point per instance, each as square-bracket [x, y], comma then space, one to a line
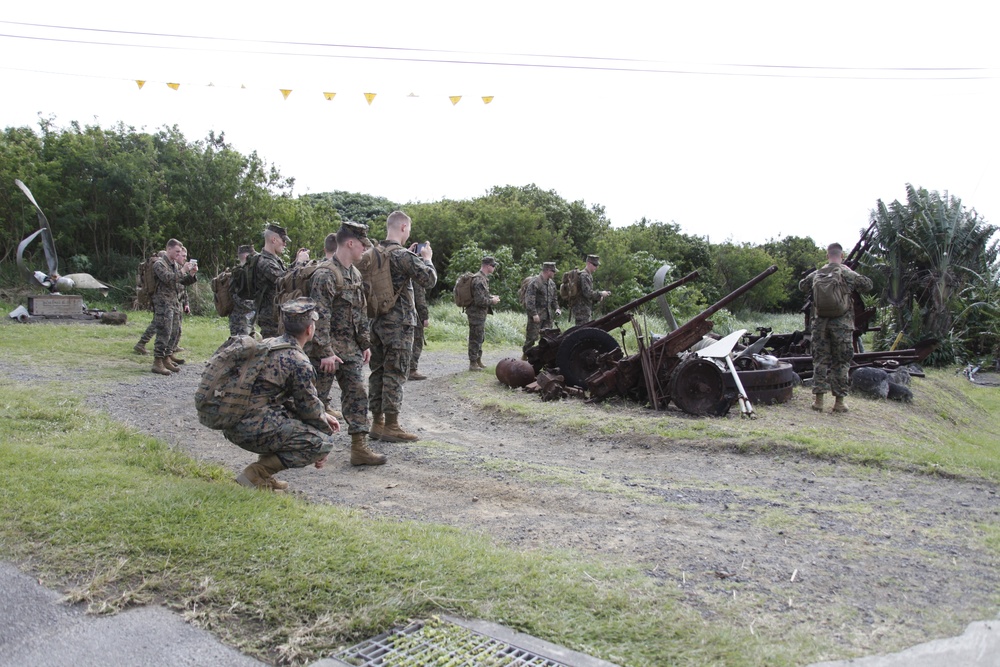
[588, 356]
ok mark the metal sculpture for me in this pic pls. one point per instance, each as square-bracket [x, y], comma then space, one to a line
[50, 280]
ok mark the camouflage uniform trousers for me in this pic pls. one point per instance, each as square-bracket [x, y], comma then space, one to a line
[164, 320]
[418, 345]
[275, 430]
[832, 348]
[241, 319]
[477, 332]
[533, 332]
[390, 366]
[350, 378]
[175, 330]
[582, 313]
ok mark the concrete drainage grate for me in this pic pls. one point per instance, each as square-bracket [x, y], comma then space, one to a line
[440, 642]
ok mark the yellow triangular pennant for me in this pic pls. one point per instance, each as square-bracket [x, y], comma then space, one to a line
[487, 99]
[370, 97]
[285, 92]
[454, 99]
[140, 83]
[175, 86]
[329, 96]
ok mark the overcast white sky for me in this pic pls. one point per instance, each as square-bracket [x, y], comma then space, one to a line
[753, 120]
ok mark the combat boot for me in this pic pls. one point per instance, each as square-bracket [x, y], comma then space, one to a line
[479, 362]
[393, 432]
[361, 455]
[170, 366]
[336, 414]
[474, 367]
[140, 348]
[416, 375]
[818, 402]
[158, 367]
[375, 432]
[173, 357]
[273, 464]
[838, 405]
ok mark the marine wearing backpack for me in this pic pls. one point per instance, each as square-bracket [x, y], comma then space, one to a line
[223, 395]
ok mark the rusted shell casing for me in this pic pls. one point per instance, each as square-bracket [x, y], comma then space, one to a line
[515, 373]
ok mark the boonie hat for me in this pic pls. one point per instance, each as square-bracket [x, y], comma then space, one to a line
[300, 308]
[489, 261]
[594, 259]
[358, 230]
[548, 266]
[279, 230]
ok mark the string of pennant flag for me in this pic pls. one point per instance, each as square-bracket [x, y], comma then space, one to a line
[329, 96]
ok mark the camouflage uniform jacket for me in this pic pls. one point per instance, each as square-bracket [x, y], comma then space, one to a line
[587, 294]
[857, 283]
[269, 270]
[481, 303]
[407, 268]
[169, 282]
[285, 389]
[342, 327]
[540, 298]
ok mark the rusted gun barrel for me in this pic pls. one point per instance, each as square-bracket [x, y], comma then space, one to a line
[543, 354]
[621, 316]
[655, 363]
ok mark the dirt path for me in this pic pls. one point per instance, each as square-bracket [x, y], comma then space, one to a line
[871, 559]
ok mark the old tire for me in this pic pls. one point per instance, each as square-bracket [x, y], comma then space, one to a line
[577, 355]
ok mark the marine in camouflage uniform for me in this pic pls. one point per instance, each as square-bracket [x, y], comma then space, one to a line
[832, 338]
[183, 306]
[242, 315]
[583, 307]
[270, 268]
[541, 303]
[286, 423]
[343, 332]
[392, 333]
[170, 277]
[482, 302]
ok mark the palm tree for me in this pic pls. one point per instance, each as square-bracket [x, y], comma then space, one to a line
[929, 250]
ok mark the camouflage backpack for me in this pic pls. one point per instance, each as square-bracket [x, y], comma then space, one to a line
[145, 284]
[569, 290]
[522, 292]
[831, 293]
[220, 293]
[463, 290]
[243, 284]
[375, 268]
[295, 283]
[223, 395]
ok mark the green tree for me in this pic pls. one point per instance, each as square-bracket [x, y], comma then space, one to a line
[737, 264]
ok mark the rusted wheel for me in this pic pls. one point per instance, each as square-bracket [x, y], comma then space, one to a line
[698, 387]
[769, 385]
[578, 352]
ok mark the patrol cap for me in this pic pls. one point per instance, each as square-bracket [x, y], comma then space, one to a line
[489, 261]
[548, 266]
[594, 259]
[248, 249]
[279, 230]
[358, 230]
[300, 308]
